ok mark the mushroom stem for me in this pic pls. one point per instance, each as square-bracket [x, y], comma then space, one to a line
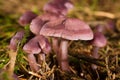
[95, 52]
[55, 45]
[95, 55]
[32, 62]
[64, 64]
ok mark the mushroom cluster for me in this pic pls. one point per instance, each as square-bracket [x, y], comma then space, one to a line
[56, 25]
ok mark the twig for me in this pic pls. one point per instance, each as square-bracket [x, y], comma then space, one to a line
[89, 59]
[104, 14]
[35, 74]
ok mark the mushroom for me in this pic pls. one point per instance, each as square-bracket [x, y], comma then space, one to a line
[26, 18]
[14, 42]
[16, 39]
[37, 45]
[68, 29]
[108, 26]
[98, 42]
[60, 7]
[55, 8]
[32, 47]
[39, 21]
[36, 25]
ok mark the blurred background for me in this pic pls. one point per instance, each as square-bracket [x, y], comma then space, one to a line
[11, 10]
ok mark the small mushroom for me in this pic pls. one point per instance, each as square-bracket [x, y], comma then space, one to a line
[16, 39]
[32, 47]
[67, 3]
[36, 25]
[14, 42]
[55, 8]
[108, 26]
[26, 18]
[60, 7]
[68, 29]
[39, 21]
[98, 42]
[37, 45]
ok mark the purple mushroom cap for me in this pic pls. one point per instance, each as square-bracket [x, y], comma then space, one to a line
[32, 46]
[49, 17]
[39, 21]
[36, 25]
[108, 27]
[99, 40]
[70, 29]
[16, 39]
[60, 7]
[55, 8]
[26, 18]
[36, 45]
[67, 3]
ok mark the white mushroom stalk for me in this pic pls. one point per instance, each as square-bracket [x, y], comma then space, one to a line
[55, 46]
[95, 55]
[64, 64]
[32, 62]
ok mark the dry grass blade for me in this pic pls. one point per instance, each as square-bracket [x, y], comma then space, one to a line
[36, 74]
[104, 14]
